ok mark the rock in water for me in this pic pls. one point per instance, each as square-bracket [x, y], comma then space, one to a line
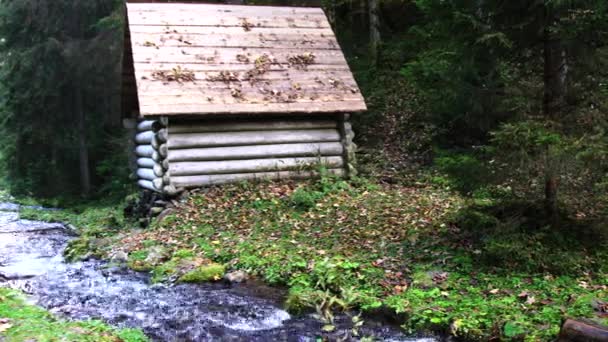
[120, 256]
[236, 277]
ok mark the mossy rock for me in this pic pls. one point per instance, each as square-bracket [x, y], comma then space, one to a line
[206, 273]
[139, 266]
[85, 248]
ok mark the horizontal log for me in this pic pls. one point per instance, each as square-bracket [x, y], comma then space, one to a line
[144, 151]
[259, 151]
[146, 163]
[189, 140]
[165, 164]
[250, 165]
[146, 184]
[145, 125]
[187, 182]
[144, 137]
[147, 174]
[251, 126]
[583, 331]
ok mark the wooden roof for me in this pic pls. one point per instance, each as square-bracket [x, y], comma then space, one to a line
[229, 59]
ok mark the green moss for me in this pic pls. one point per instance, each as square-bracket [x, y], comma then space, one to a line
[162, 272]
[85, 247]
[212, 272]
[31, 323]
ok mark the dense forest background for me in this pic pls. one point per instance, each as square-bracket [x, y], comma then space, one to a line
[498, 98]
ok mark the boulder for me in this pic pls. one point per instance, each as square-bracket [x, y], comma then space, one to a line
[156, 255]
[120, 257]
[236, 277]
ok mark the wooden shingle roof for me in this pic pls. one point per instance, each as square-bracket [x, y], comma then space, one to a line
[227, 59]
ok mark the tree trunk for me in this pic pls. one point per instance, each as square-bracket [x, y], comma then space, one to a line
[374, 30]
[83, 152]
[555, 76]
[551, 187]
[555, 87]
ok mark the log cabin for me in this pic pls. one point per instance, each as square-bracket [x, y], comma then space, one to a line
[229, 93]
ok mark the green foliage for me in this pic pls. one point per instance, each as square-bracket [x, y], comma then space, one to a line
[485, 306]
[27, 323]
[53, 71]
[466, 173]
[518, 237]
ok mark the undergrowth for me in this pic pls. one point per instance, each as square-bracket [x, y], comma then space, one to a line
[478, 267]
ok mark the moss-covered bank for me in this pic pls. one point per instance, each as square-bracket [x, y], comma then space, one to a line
[445, 263]
[20, 321]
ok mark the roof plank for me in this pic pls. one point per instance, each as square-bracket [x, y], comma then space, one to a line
[255, 108]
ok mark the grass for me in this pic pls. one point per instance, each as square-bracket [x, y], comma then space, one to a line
[20, 321]
[442, 261]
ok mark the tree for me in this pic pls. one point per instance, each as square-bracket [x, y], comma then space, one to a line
[485, 63]
[58, 57]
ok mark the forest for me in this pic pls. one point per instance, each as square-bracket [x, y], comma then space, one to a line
[480, 208]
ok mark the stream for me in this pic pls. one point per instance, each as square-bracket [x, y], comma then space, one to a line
[31, 261]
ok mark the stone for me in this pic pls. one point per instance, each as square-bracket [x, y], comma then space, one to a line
[156, 255]
[236, 277]
[120, 257]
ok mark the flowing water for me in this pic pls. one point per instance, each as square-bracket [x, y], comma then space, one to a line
[31, 260]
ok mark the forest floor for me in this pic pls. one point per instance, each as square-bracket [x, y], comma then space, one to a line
[473, 268]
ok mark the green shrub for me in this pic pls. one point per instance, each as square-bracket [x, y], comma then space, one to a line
[466, 172]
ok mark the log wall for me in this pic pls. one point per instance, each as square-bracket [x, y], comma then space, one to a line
[178, 154]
